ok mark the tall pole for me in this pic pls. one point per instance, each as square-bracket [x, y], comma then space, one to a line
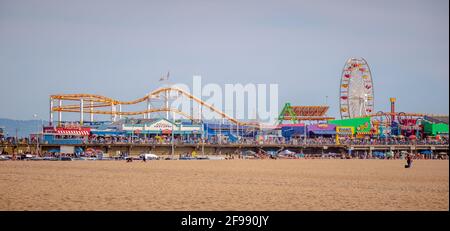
[304, 133]
[92, 110]
[148, 107]
[392, 109]
[223, 122]
[81, 111]
[37, 138]
[167, 104]
[173, 131]
[113, 112]
[220, 132]
[120, 110]
[132, 134]
[200, 113]
[237, 125]
[59, 113]
[41, 133]
[203, 139]
[51, 112]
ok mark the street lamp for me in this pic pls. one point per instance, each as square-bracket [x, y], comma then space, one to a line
[203, 138]
[173, 123]
[418, 123]
[37, 137]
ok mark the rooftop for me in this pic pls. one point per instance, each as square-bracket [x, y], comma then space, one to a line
[308, 110]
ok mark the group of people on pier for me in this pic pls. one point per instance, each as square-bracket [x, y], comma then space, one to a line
[242, 140]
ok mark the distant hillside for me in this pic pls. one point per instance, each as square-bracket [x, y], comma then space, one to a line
[23, 127]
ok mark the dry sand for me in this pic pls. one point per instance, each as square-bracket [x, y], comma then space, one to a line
[225, 185]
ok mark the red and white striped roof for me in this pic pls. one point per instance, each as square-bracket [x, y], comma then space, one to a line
[84, 132]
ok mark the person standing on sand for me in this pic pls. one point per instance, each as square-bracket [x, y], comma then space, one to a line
[408, 161]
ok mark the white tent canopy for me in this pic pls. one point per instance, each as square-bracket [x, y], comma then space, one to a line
[149, 156]
[286, 152]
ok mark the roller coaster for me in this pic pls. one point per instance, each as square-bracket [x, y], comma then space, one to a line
[91, 103]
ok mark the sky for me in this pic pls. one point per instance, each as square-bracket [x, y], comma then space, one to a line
[120, 49]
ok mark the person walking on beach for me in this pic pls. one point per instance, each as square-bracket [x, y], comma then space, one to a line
[408, 161]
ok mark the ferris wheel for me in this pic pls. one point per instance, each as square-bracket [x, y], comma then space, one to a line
[356, 89]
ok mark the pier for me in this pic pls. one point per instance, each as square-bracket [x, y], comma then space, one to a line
[228, 149]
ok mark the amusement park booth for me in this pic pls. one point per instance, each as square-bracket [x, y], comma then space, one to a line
[228, 131]
[344, 132]
[106, 128]
[66, 134]
[289, 131]
[433, 129]
[325, 130]
[380, 129]
[361, 126]
[406, 127]
[301, 114]
[153, 127]
[298, 116]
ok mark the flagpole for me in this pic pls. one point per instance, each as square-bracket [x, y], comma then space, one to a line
[173, 130]
[167, 95]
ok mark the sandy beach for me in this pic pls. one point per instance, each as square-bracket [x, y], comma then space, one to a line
[224, 185]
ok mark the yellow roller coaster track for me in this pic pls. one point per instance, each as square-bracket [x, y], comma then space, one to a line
[96, 101]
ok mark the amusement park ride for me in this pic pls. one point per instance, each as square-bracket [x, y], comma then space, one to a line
[398, 123]
[356, 90]
[89, 103]
[297, 114]
[356, 100]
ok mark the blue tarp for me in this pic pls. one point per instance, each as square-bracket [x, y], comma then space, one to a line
[378, 154]
[426, 152]
[288, 132]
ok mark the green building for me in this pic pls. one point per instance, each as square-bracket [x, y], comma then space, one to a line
[360, 125]
[434, 129]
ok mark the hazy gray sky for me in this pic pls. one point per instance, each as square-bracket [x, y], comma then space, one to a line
[121, 48]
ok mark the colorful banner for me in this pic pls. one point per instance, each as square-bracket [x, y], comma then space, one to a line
[344, 131]
[358, 124]
[321, 127]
